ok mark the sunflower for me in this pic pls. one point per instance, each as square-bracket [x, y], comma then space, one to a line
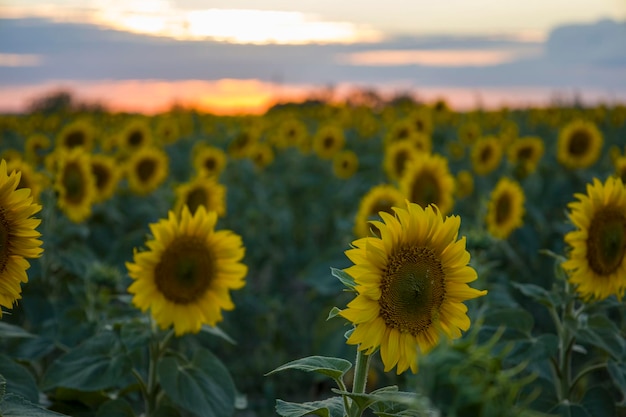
[29, 178]
[399, 130]
[77, 134]
[506, 208]
[209, 161]
[328, 141]
[597, 260]
[422, 120]
[75, 184]
[202, 191]
[345, 164]
[464, 184]
[411, 284]
[167, 130]
[36, 147]
[379, 198]
[135, 135]
[261, 154]
[469, 132]
[486, 155]
[106, 176]
[146, 169]
[185, 276]
[397, 157]
[524, 154]
[18, 235]
[291, 132]
[427, 180]
[579, 144]
[620, 168]
[240, 145]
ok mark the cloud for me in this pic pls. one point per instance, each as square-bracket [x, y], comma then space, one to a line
[573, 57]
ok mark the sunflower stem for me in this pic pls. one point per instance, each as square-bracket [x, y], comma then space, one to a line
[156, 349]
[361, 368]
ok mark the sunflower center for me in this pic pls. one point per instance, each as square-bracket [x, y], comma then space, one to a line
[425, 190]
[185, 271]
[403, 133]
[73, 183]
[102, 176]
[135, 138]
[328, 142]
[579, 143]
[145, 169]
[209, 164]
[524, 153]
[503, 208]
[413, 289]
[4, 239]
[485, 154]
[196, 198]
[606, 244]
[74, 139]
[400, 161]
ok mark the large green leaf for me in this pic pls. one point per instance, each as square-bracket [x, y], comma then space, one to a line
[329, 366]
[602, 333]
[330, 407]
[16, 406]
[599, 403]
[617, 370]
[203, 386]
[116, 408]
[98, 363]
[9, 331]
[518, 323]
[539, 294]
[18, 379]
[569, 410]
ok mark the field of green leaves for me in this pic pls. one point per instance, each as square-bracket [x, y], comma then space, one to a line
[121, 316]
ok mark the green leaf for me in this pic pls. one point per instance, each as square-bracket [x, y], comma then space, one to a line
[602, 333]
[10, 331]
[330, 407]
[569, 410]
[18, 379]
[617, 370]
[344, 277]
[16, 406]
[516, 321]
[203, 386]
[116, 408]
[216, 331]
[96, 364]
[3, 386]
[599, 403]
[334, 312]
[539, 294]
[329, 366]
[389, 397]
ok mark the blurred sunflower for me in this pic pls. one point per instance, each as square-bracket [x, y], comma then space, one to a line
[345, 164]
[579, 144]
[75, 184]
[18, 235]
[505, 211]
[209, 161]
[106, 175]
[469, 132]
[135, 135]
[464, 184]
[486, 155]
[167, 130]
[524, 154]
[399, 130]
[397, 157]
[186, 275]
[422, 120]
[77, 134]
[146, 169]
[242, 142]
[620, 168]
[29, 178]
[201, 191]
[261, 154]
[411, 284]
[379, 198]
[422, 142]
[597, 258]
[36, 147]
[427, 180]
[328, 140]
[291, 132]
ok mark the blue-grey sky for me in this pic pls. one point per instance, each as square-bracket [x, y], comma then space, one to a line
[573, 45]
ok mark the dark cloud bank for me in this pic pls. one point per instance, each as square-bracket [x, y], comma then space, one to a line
[573, 57]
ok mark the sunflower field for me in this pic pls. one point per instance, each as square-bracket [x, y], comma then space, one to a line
[401, 259]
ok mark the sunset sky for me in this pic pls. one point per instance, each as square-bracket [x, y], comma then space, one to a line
[241, 55]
